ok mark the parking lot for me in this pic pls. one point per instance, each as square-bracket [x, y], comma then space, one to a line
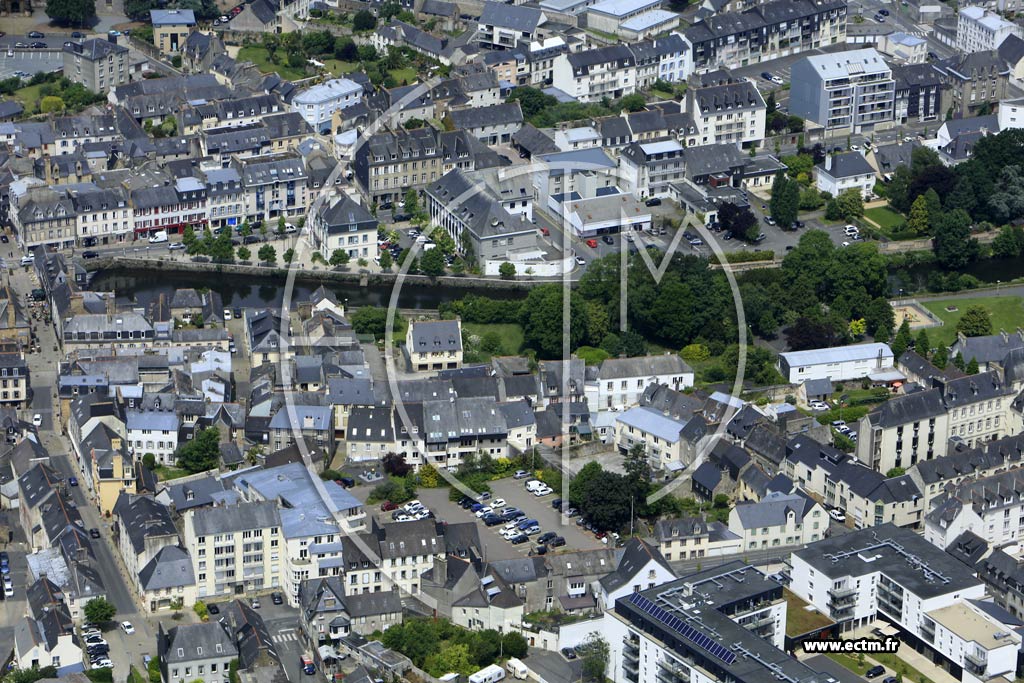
[515, 494]
[30, 61]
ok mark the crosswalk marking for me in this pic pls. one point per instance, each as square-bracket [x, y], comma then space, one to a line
[285, 637]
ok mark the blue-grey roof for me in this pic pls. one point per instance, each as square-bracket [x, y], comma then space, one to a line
[172, 17]
[773, 510]
[846, 165]
[158, 420]
[653, 422]
[171, 567]
[319, 417]
[839, 354]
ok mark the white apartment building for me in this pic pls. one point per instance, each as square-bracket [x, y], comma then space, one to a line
[990, 507]
[984, 648]
[153, 431]
[398, 555]
[778, 519]
[594, 74]
[978, 29]
[852, 90]
[884, 571]
[669, 443]
[317, 104]
[727, 109]
[619, 382]
[838, 364]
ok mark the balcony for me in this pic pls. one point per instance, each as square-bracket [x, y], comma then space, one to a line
[630, 650]
[842, 592]
[976, 660]
[841, 612]
[673, 672]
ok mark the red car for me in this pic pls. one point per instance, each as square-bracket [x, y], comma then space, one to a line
[545, 232]
[388, 506]
[592, 244]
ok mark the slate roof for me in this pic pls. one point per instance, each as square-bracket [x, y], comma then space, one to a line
[194, 642]
[504, 114]
[642, 366]
[920, 405]
[683, 527]
[142, 517]
[773, 510]
[516, 17]
[430, 336]
[171, 567]
[637, 555]
[989, 348]
[847, 165]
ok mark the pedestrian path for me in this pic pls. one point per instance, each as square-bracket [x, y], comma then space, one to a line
[289, 637]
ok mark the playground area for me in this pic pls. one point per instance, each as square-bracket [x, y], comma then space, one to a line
[916, 315]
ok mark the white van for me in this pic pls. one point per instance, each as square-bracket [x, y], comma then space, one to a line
[517, 668]
[489, 674]
[158, 237]
[534, 484]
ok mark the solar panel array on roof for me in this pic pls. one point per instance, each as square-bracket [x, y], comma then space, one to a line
[681, 627]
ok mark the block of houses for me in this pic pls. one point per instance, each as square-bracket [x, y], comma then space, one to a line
[641, 566]
[432, 345]
[341, 223]
[493, 125]
[46, 635]
[779, 519]
[839, 364]
[671, 444]
[97, 64]
[846, 171]
[618, 383]
[691, 538]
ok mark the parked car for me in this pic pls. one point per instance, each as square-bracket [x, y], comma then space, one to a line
[37, 420]
[556, 542]
[837, 514]
[127, 627]
[653, 201]
[94, 533]
[874, 671]
[492, 519]
[544, 538]
[388, 506]
[498, 503]
[569, 652]
[212, 608]
[520, 474]
[607, 239]
[35, 34]
[72, 481]
[519, 539]
[277, 598]
[592, 243]
[556, 503]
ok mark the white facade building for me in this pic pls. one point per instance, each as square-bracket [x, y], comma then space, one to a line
[978, 29]
[318, 104]
[839, 364]
[621, 381]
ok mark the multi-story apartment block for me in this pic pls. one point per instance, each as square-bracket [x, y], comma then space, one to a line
[195, 652]
[703, 627]
[43, 216]
[170, 207]
[919, 93]
[973, 81]
[649, 169]
[14, 377]
[444, 432]
[727, 109]
[154, 431]
[171, 28]
[592, 75]
[103, 216]
[477, 220]
[978, 29]
[903, 431]
[778, 519]
[669, 443]
[989, 507]
[768, 31]
[883, 571]
[434, 345]
[274, 187]
[503, 27]
[225, 197]
[97, 64]
[318, 104]
[340, 223]
[391, 556]
[852, 90]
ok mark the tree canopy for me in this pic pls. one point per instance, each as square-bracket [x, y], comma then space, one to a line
[201, 453]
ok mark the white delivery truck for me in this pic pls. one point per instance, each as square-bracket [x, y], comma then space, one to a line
[158, 237]
[489, 674]
[517, 668]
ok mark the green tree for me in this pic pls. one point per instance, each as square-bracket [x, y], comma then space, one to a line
[972, 367]
[452, 657]
[363, 20]
[608, 500]
[740, 221]
[153, 670]
[1009, 243]
[532, 101]
[934, 204]
[903, 339]
[507, 271]
[267, 254]
[858, 327]
[920, 220]
[952, 243]
[594, 654]
[638, 472]
[581, 482]
[880, 319]
[201, 453]
[30, 675]
[514, 644]
[975, 322]
[281, 225]
[847, 206]
[432, 262]
[385, 260]
[243, 253]
[339, 257]
[632, 103]
[288, 256]
[412, 202]
[940, 358]
[541, 318]
[245, 230]
[895, 472]
[370, 320]
[99, 611]
[201, 611]
[922, 345]
[149, 461]
[220, 248]
[785, 200]
[76, 12]
[51, 104]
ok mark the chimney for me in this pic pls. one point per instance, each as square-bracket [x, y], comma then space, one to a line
[1004, 335]
[441, 570]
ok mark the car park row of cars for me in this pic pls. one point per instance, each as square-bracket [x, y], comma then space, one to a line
[516, 526]
[410, 512]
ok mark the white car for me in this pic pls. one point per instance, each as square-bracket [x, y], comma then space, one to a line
[37, 420]
[854, 148]
[845, 244]
[497, 503]
[837, 515]
[486, 510]
[818, 406]
[227, 314]
[777, 80]
[510, 526]
[542, 492]
[127, 627]
[580, 261]
[520, 474]
[404, 518]
[851, 230]
[103, 664]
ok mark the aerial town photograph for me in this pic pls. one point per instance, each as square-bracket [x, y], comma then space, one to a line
[473, 341]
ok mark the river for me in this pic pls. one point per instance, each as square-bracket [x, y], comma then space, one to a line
[141, 287]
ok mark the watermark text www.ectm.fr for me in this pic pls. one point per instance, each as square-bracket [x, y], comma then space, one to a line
[856, 645]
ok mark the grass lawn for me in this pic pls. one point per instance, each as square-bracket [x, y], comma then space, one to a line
[849, 414]
[511, 335]
[29, 98]
[1006, 312]
[340, 68]
[800, 620]
[135, 676]
[261, 58]
[164, 473]
[406, 75]
[661, 94]
[900, 666]
[887, 219]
